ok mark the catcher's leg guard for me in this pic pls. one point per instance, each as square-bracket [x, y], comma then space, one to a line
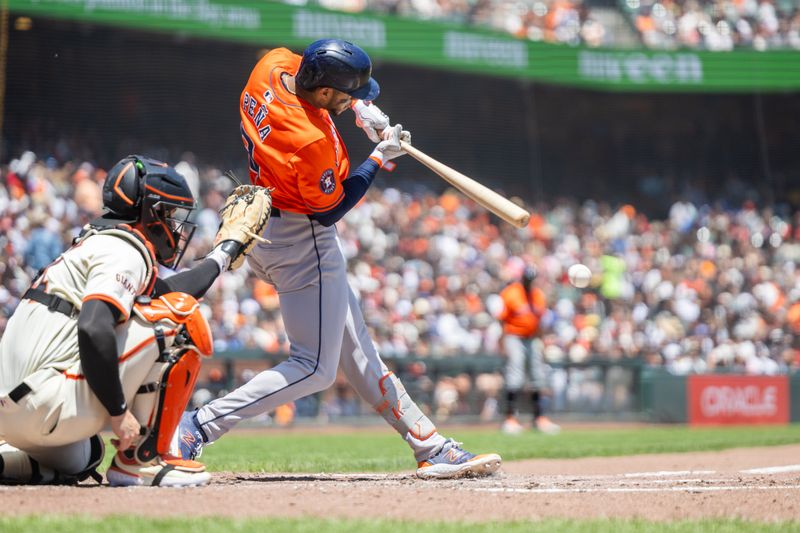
[169, 396]
[163, 397]
[400, 411]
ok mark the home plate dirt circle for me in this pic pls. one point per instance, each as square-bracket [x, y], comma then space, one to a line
[761, 484]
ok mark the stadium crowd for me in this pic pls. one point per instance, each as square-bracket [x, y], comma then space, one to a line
[660, 24]
[717, 25]
[557, 21]
[707, 288]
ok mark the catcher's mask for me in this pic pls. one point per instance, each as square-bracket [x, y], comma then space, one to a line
[141, 190]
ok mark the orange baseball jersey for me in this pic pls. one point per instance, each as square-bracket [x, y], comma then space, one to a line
[292, 146]
[520, 316]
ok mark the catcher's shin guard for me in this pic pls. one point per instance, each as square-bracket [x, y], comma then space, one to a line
[171, 381]
[173, 392]
[400, 411]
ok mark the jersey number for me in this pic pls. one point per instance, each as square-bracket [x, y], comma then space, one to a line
[250, 147]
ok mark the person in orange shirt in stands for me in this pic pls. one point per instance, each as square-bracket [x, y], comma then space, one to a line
[523, 307]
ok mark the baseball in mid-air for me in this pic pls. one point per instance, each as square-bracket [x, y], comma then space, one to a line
[579, 275]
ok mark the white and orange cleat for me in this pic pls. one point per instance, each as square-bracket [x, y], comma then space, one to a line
[511, 426]
[546, 426]
[166, 471]
[453, 462]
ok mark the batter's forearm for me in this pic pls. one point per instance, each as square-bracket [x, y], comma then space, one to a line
[97, 342]
[355, 186]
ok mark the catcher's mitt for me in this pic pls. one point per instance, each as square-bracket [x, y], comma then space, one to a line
[243, 218]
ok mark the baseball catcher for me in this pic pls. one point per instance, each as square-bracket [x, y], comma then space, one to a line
[100, 339]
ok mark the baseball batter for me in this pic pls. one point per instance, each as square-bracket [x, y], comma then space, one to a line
[294, 147]
[99, 338]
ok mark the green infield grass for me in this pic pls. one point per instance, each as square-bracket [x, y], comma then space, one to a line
[131, 524]
[375, 450]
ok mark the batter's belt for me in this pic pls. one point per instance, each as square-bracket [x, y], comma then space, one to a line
[276, 213]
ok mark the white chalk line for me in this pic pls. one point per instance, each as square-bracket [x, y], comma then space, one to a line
[677, 484]
[772, 470]
[664, 473]
[669, 473]
[576, 490]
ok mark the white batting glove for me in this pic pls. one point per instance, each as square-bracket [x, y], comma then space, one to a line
[389, 147]
[371, 119]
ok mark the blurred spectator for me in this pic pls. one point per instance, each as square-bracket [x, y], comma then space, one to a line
[44, 243]
[559, 21]
[716, 25]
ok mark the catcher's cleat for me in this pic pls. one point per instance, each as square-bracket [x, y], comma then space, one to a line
[453, 462]
[190, 437]
[165, 471]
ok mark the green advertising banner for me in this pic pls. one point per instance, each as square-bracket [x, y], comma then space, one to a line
[440, 45]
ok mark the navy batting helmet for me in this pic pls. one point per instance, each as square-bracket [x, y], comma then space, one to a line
[338, 64]
[139, 189]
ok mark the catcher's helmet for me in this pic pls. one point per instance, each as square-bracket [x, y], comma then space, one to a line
[338, 64]
[141, 190]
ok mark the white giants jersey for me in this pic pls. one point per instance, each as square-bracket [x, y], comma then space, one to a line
[111, 265]
[106, 266]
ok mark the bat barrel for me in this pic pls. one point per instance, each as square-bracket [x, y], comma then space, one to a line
[500, 206]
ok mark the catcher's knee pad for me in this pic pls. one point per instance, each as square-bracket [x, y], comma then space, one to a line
[172, 379]
[17, 467]
[397, 408]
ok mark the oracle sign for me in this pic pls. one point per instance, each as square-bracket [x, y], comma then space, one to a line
[724, 399]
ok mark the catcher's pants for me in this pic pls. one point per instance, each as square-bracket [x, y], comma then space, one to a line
[326, 330]
[519, 353]
[54, 421]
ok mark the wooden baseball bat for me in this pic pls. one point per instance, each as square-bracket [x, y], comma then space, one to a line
[500, 206]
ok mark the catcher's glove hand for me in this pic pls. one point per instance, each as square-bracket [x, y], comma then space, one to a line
[243, 218]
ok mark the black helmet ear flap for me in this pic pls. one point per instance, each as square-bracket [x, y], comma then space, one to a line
[122, 190]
